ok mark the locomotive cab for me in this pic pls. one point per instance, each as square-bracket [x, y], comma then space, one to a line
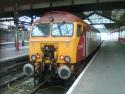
[53, 42]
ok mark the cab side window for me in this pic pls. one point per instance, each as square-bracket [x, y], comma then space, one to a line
[79, 30]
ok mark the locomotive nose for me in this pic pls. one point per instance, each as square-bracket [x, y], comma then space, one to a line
[64, 72]
[28, 69]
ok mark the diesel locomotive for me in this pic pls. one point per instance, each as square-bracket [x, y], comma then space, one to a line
[58, 42]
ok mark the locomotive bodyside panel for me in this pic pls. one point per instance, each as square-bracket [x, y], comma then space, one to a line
[92, 41]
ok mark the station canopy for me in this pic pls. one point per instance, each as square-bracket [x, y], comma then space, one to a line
[98, 21]
[101, 20]
[106, 21]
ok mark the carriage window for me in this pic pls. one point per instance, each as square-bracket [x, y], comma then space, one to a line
[41, 30]
[62, 29]
[79, 30]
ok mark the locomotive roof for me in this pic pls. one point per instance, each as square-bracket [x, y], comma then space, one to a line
[58, 16]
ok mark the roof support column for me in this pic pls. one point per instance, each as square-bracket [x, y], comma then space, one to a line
[51, 3]
[16, 24]
[31, 7]
[72, 2]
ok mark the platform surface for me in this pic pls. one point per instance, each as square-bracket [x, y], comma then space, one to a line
[105, 74]
[12, 53]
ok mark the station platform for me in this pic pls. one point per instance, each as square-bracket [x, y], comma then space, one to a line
[105, 74]
[12, 44]
[7, 54]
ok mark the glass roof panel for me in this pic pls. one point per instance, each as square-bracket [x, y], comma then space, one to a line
[97, 19]
[100, 27]
[117, 14]
[98, 22]
[87, 21]
[25, 19]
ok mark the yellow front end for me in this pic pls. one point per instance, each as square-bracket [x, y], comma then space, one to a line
[63, 47]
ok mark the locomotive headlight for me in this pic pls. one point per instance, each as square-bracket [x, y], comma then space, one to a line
[67, 59]
[33, 57]
[51, 19]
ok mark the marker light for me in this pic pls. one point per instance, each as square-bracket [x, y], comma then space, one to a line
[38, 55]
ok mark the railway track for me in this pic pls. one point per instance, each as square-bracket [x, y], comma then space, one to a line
[6, 80]
[21, 85]
[13, 81]
[11, 74]
[11, 70]
[26, 86]
[10, 66]
[38, 87]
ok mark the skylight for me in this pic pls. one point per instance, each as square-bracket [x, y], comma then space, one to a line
[117, 14]
[97, 19]
[25, 19]
[88, 22]
[99, 26]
